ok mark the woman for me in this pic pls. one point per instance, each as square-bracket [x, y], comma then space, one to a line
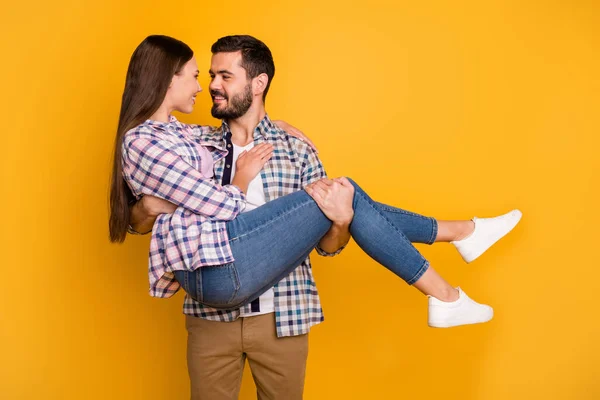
[223, 259]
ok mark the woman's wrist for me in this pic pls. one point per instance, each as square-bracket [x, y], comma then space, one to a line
[241, 183]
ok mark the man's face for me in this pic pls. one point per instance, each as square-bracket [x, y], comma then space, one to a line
[230, 88]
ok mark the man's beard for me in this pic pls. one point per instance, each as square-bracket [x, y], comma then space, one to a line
[237, 106]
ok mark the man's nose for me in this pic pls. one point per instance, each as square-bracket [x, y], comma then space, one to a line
[215, 84]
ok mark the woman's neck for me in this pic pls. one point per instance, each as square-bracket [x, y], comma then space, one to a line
[161, 115]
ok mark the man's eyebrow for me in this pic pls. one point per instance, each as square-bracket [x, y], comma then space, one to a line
[222, 71]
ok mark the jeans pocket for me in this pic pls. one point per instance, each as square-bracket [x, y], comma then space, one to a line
[220, 285]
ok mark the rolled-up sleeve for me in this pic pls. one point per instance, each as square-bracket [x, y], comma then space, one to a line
[323, 253]
[157, 170]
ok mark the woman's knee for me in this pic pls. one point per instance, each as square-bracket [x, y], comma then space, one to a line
[353, 183]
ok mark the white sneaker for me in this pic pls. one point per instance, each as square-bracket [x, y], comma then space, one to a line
[487, 232]
[463, 311]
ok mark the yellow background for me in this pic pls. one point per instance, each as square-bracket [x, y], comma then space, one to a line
[451, 109]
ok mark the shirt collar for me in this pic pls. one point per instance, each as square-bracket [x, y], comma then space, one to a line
[173, 122]
[264, 128]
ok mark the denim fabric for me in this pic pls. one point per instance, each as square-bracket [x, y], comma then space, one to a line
[270, 241]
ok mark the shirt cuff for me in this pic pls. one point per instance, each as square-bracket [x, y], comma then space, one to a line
[134, 232]
[324, 253]
[236, 194]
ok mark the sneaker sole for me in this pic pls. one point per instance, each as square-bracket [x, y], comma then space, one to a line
[449, 325]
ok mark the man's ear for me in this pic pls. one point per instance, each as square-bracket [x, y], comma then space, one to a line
[259, 84]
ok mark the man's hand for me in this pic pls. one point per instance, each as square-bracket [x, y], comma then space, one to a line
[143, 213]
[334, 197]
[295, 132]
[153, 206]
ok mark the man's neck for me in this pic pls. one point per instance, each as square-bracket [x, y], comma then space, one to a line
[242, 128]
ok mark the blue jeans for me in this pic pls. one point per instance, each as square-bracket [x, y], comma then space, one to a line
[271, 241]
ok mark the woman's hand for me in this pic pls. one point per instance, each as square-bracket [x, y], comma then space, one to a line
[295, 132]
[249, 164]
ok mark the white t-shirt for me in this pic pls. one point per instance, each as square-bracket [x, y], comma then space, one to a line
[255, 198]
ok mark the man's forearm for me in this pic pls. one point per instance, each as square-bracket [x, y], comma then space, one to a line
[140, 219]
[335, 238]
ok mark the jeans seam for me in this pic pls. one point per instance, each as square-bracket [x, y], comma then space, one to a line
[236, 282]
[199, 288]
[387, 208]
[434, 228]
[402, 236]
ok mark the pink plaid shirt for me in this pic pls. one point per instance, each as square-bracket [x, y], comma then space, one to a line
[165, 160]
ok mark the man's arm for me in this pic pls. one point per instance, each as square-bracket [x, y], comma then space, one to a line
[334, 241]
[334, 197]
[143, 213]
[338, 235]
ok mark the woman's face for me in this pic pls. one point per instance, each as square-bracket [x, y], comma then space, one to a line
[181, 95]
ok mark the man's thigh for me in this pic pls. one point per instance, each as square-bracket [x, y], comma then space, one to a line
[278, 365]
[215, 358]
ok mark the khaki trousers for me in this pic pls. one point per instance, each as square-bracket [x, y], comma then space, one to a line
[217, 351]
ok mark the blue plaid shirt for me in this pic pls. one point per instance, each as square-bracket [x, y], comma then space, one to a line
[293, 166]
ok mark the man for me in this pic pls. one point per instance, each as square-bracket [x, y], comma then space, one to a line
[271, 332]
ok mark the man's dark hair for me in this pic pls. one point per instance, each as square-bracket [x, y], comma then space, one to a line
[256, 56]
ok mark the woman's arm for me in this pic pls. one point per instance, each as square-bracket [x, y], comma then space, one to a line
[144, 212]
[157, 170]
[249, 164]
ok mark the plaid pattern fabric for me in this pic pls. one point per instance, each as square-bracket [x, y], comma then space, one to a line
[165, 160]
[293, 166]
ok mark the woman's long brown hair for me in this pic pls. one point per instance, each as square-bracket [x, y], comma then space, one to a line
[151, 68]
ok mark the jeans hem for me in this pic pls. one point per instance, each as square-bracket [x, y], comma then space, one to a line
[434, 231]
[419, 274]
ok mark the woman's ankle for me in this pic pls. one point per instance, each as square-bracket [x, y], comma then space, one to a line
[447, 294]
[467, 229]
[453, 231]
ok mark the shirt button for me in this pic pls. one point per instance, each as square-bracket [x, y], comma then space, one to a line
[228, 166]
[229, 145]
